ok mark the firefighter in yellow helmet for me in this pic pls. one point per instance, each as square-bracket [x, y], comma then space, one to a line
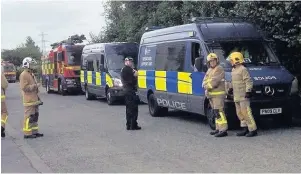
[241, 89]
[31, 101]
[4, 113]
[214, 84]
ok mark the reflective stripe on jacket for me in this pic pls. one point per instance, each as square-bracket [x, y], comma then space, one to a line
[214, 82]
[29, 88]
[241, 82]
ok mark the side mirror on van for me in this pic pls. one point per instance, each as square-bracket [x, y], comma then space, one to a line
[101, 67]
[199, 63]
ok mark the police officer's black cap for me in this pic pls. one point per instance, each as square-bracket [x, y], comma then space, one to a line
[128, 59]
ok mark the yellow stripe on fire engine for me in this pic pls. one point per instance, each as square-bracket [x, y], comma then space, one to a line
[73, 67]
[9, 73]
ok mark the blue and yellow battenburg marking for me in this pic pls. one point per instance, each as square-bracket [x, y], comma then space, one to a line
[96, 78]
[172, 81]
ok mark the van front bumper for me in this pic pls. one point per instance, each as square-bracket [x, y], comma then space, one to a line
[289, 105]
[117, 93]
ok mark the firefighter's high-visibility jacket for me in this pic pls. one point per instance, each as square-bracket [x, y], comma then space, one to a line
[214, 82]
[4, 85]
[241, 83]
[29, 88]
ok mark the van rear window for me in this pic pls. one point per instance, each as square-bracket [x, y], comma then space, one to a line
[9, 68]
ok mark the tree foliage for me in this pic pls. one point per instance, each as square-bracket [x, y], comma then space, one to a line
[71, 40]
[127, 20]
[27, 49]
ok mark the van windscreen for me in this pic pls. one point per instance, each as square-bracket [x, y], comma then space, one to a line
[254, 52]
[115, 54]
[9, 68]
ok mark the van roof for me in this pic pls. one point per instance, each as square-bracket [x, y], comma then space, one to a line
[229, 31]
[97, 47]
[214, 31]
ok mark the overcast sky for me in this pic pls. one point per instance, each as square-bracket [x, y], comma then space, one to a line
[57, 19]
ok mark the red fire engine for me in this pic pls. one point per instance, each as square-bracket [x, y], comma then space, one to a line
[61, 69]
[9, 71]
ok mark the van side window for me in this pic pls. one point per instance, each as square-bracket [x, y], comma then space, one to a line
[171, 56]
[90, 66]
[195, 52]
[147, 57]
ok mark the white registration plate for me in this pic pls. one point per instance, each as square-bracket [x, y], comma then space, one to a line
[270, 111]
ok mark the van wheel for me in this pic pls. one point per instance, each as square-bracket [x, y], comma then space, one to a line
[110, 99]
[88, 95]
[210, 117]
[154, 109]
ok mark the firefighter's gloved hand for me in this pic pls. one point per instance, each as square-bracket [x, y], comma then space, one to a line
[248, 95]
[230, 91]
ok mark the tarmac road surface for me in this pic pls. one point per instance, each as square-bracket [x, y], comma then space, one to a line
[90, 136]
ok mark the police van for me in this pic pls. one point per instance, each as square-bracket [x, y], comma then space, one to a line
[172, 65]
[101, 67]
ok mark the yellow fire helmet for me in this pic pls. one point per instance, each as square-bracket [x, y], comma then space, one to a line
[236, 58]
[212, 56]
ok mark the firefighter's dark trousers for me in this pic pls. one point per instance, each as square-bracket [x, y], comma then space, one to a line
[131, 108]
[31, 117]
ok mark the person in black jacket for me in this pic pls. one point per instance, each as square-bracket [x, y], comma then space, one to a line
[129, 81]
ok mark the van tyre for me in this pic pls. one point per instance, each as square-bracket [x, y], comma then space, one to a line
[154, 109]
[210, 117]
[88, 95]
[109, 98]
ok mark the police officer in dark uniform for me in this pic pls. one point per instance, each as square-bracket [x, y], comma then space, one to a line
[129, 81]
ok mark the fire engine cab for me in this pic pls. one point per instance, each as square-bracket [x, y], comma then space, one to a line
[61, 69]
[9, 71]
